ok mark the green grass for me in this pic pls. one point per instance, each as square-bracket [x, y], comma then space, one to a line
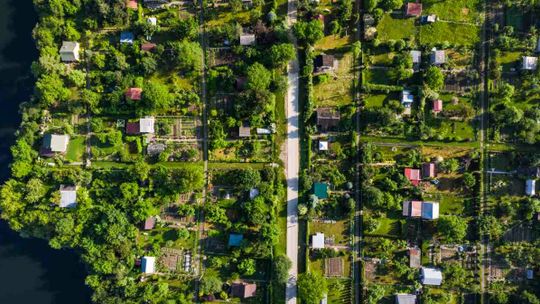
[456, 34]
[388, 227]
[390, 28]
[375, 101]
[76, 149]
[508, 60]
[377, 76]
[384, 59]
[332, 42]
[454, 10]
[339, 230]
[337, 90]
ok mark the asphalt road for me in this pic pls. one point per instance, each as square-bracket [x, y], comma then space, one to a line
[292, 165]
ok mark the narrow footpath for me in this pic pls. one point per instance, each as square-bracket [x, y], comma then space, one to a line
[292, 164]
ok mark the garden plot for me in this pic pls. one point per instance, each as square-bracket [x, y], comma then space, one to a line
[178, 128]
[335, 88]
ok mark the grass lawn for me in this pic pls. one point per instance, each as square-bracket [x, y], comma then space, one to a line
[223, 17]
[454, 10]
[76, 149]
[389, 227]
[457, 34]
[384, 59]
[377, 76]
[375, 101]
[390, 28]
[451, 128]
[339, 230]
[337, 90]
[332, 42]
[509, 60]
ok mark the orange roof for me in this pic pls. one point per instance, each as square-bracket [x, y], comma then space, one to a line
[132, 4]
[416, 208]
[134, 93]
[414, 9]
[148, 46]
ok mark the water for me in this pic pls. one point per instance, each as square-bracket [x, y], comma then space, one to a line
[31, 272]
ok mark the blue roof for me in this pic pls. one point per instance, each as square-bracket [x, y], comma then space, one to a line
[126, 37]
[430, 210]
[320, 190]
[235, 239]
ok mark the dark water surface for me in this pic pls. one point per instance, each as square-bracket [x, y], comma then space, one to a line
[30, 271]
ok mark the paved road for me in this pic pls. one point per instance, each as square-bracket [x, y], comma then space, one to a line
[292, 166]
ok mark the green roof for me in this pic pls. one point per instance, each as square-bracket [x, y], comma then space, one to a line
[320, 190]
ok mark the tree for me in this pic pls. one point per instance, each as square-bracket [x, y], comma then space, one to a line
[375, 294]
[156, 96]
[309, 32]
[490, 226]
[450, 165]
[529, 298]
[371, 4]
[282, 264]
[373, 197]
[148, 65]
[186, 55]
[210, 284]
[452, 228]
[469, 180]
[434, 78]
[245, 179]
[311, 287]
[389, 5]
[247, 267]
[50, 89]
[258, 77]
[280, 54]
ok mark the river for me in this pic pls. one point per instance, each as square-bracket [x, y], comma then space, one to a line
[31, 272]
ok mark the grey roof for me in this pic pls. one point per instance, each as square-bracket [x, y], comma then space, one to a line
[56, 142]
[438, 57]
[146, 125]
[68, 196]
[431, 276]
[405, 299]
[530, 63]
[416, 56]
[247, 39]
[69, 46]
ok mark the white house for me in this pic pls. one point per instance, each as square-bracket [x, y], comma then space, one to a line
[530, 187]
[68, 196]
[56, 143]
[323, 145]
[403, 298]
[407, 98]
[152, 21]
[529, 63]
[416, 56]
[148, 264]
[430, 276]
[69, 51]
[317, 241]
[438, 57]
[146, 125]
[247, 39]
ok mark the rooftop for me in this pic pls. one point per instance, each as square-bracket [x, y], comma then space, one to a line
[235, 239]
[317, 241]
[68, 196]
[320, 190]
[413, 9]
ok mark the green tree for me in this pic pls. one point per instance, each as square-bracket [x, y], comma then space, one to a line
[281, 54]
[258, 77]
[434, 78]
[282, 264]
[469, 180]
[309, 32]
[156, 96]
[311, 287]
[50, 89]
[247, 267]
[210, 284]
[452, 228]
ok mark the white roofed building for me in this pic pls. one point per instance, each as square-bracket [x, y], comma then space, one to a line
[530, 187]
[148, 264]
[529, 63]
[146, 125]
[68, 196]
[69, 51]
[430, 276]
[317, 241]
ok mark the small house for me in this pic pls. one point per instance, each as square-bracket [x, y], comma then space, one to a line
[320, 190]
[413, 9]
[429, 170]
[412, 208]
[327, 118]
[126, 37]
[416, 57]
[253, 193]
[69, 52]
[530, 187]
[317, 241]
[415, 257]
[428, 19]
[54, 144]
[430, 276]
[247, 39]
[402, 298]
[148, 46]
[235, 239]
[323, 145]
[148, 265]
[413, 175]
[529, 63]
[407, 98]
[132, 4]
[146, 125]
[152, 21]
[149, 223]
[263, 131]
[325, 63]
[243, 290]
[530, 274]
[244, 130]
[438, 57]
[437, 106]
[134, 94]
[68, 196]
[430, 210]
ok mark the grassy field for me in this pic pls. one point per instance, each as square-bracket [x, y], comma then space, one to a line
[332, 42]
[456, 34]
[509, 60]
[454, 10]
[337, 90]
[390, 28]
[338, 230]
[76, 149]
[377, 76]
[375, 101]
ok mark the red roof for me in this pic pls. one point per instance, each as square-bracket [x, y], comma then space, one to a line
[414, 9]
[133, 128]
[437, 105]
[148, 46]
[134, 93]
[149, 223]
[429, 170]
[243, 290]
[132, 4]
[413, 175]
